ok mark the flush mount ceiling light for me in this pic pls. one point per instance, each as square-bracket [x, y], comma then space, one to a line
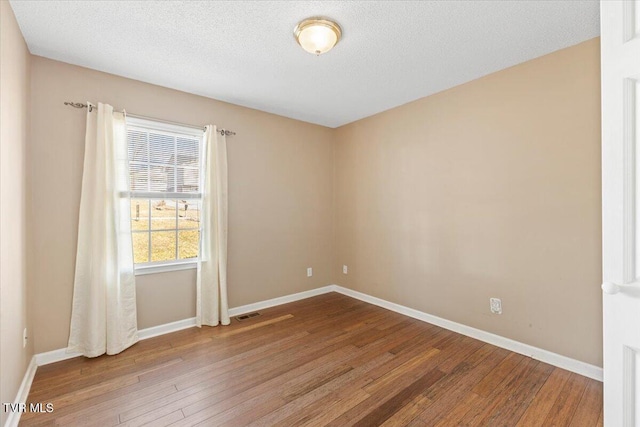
[317, 35]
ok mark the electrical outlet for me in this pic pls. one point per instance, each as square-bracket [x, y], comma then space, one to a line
[496, 305]
[345, 269]
[309, 272]
[24, 338]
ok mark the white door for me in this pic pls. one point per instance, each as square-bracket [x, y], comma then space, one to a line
[620, 53]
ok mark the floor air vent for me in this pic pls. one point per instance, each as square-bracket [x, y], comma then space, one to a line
[247, 316]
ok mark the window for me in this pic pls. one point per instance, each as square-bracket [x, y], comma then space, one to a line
[164, 167]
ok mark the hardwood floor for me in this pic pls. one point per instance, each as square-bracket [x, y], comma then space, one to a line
[328, 360]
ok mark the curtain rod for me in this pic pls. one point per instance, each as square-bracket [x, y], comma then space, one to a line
[91, 107]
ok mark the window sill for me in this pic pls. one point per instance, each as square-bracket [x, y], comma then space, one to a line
[163, 268]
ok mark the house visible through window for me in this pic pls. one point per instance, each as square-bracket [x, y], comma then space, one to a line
[164, 162]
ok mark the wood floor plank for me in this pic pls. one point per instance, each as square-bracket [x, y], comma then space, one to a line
[91, 380]
[455, 416]
[339, 398]
[408, 412]
[316, 399]
[209, 368]
[203, 396]
[332, 409]
[415, 363]
[538, 410]
[590, 406]
[511, 409]
[88, 402]
[387, 409]
[404, 334]
[326, 360]
[107, 410]
[390, 383]
[490, 382]
[565, 406]
[210, 408]
[254, 326]
[455, 387]
[466, 347]
[480, 416]
[352, 387]
[600, 422]
[149, 417]
[166, 420]
[241, 414]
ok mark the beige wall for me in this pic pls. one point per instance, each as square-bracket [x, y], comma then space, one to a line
[14, 104]
[489, 189]
[280, 197]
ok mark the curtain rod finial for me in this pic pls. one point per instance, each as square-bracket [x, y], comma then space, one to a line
[78, 105]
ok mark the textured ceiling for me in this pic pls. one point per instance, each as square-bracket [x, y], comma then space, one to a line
[244, 52]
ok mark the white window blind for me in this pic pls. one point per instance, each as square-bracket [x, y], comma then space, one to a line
[164, 160]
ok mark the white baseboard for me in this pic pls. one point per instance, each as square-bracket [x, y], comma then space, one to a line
[155, 331]
[236, 311]
[13, 418]
[143, 334]
[54, 356]
[546, 356]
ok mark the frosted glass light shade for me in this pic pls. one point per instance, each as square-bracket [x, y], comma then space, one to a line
[317, 35]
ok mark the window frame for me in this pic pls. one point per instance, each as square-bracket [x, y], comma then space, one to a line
[147, 125]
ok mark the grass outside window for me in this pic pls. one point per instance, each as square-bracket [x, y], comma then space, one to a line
[165, 230]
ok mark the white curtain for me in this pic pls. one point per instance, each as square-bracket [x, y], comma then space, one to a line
[103, 318]
[211, 286]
